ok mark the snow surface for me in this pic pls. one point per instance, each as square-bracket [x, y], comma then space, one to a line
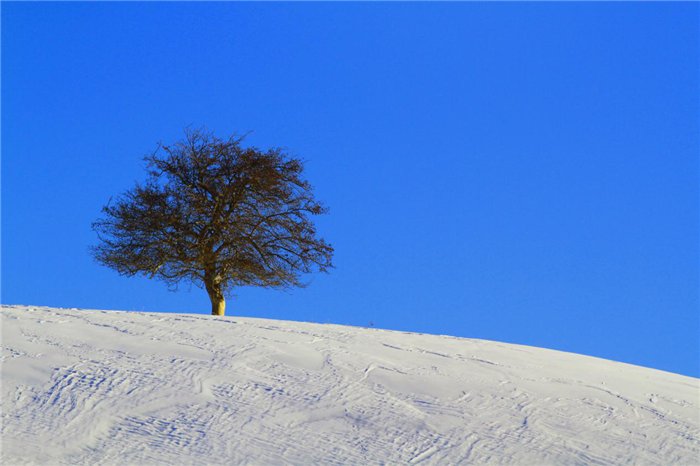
[109, 387]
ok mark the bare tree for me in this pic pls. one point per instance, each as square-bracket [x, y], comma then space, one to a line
[217, 215]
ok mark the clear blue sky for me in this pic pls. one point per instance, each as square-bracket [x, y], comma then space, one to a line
[521, 172]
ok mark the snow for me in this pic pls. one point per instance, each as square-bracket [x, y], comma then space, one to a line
[110, 387]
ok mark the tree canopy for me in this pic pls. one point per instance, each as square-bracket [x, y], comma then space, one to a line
[218, 215]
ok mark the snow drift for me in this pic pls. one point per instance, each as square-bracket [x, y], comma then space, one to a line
[108, 387]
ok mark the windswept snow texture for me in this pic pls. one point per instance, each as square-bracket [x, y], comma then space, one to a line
[107, 387]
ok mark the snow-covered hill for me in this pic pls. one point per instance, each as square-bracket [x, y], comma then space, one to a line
[107, 387]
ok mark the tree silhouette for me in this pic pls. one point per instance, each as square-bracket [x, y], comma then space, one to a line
[217, 215]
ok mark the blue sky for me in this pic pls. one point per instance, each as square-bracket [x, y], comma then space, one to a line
[521, 172]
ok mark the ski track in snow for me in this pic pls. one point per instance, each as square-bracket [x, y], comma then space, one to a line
[108, 387]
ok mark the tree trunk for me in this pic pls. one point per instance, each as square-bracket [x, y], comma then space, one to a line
[218, 305]
[218, 302]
